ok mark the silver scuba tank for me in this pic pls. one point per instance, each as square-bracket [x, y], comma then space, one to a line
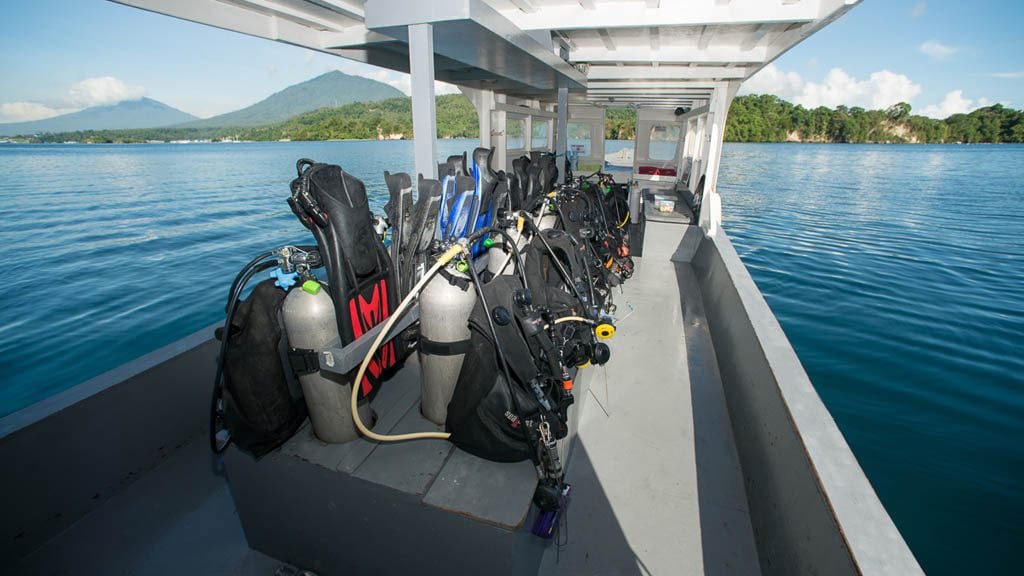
[445, 305]
[548, 217]
[310, 322]
[498, 260]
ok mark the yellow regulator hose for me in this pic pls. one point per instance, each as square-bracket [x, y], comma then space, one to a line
[444, 259]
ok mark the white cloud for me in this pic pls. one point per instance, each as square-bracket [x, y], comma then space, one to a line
[1008, 75]
[918, 10]
[444, 88]
[28, 111]
[404, 84]
[772, 80]
[102, 91]
[937, 50]
[954, 103]
[89, 92]
[881, 90]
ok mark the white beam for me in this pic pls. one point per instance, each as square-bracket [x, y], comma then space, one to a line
[525, 5]
[706, 34]
[665, 72]
[655, 38]
[606, 38]
[325, 19]
[755, 38]
[667, 55]
[346, 7]
[424, 114]
[649, 86]
[575, 16]
[637, 85]
[588, 4]
[234, 18]
[653, 4]
[352, 37]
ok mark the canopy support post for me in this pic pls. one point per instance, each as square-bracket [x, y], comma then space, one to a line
[562, 132]
[424, 112]
[710, 217]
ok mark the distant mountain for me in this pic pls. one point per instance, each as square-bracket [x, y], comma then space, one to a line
[325, 91]
[143, 113]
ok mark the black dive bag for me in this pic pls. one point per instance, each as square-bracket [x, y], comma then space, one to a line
[488, 416]
[262, 402]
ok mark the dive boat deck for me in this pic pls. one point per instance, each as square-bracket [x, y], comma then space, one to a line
[658, 487]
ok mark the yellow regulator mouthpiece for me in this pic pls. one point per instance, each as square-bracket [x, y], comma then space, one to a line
[604, 331]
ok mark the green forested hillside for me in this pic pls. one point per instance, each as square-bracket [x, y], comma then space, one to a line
[752, 118]
[767, 118]
[327, 90]
[144, 112]
[456, 118]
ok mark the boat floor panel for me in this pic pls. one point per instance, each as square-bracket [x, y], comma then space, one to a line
[177, 519]
[657, 486]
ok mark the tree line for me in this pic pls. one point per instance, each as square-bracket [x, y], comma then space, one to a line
[391, 118]
[766, 118]
[752, 118]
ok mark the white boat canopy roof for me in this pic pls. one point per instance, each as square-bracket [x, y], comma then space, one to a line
[650, 53]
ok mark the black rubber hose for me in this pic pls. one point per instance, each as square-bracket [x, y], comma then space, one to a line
[520, 266]
[586, 267]
[232, 306]
[264, 256]
[246, 268]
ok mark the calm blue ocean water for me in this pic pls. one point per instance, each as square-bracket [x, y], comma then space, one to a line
[898, 274]
[896, 271]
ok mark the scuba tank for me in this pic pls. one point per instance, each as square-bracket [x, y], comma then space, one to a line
[309, 321]
[334, 206]
[548, 215]
[445, 305]
[498, 260]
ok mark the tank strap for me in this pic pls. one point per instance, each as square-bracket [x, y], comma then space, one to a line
[435, 348]
[303, 361]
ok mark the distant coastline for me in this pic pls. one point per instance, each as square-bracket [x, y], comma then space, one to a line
[752, 118]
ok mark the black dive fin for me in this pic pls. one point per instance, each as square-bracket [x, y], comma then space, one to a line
[458, 163]
[399, 212]
[519, 182]
[421, 231]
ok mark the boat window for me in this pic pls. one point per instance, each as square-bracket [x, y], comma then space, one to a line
[514, 132]
[580, 138]
[541, 130]
[664, 139]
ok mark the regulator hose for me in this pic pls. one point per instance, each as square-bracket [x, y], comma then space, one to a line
[247, 273]
[252, 263]
[444, 259]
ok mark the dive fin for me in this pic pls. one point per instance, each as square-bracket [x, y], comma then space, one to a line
[399, 213]
[421, 231]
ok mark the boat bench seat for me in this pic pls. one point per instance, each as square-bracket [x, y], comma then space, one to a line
[681, 214]
[343, 508]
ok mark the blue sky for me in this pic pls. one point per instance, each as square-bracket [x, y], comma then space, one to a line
[62, 55]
